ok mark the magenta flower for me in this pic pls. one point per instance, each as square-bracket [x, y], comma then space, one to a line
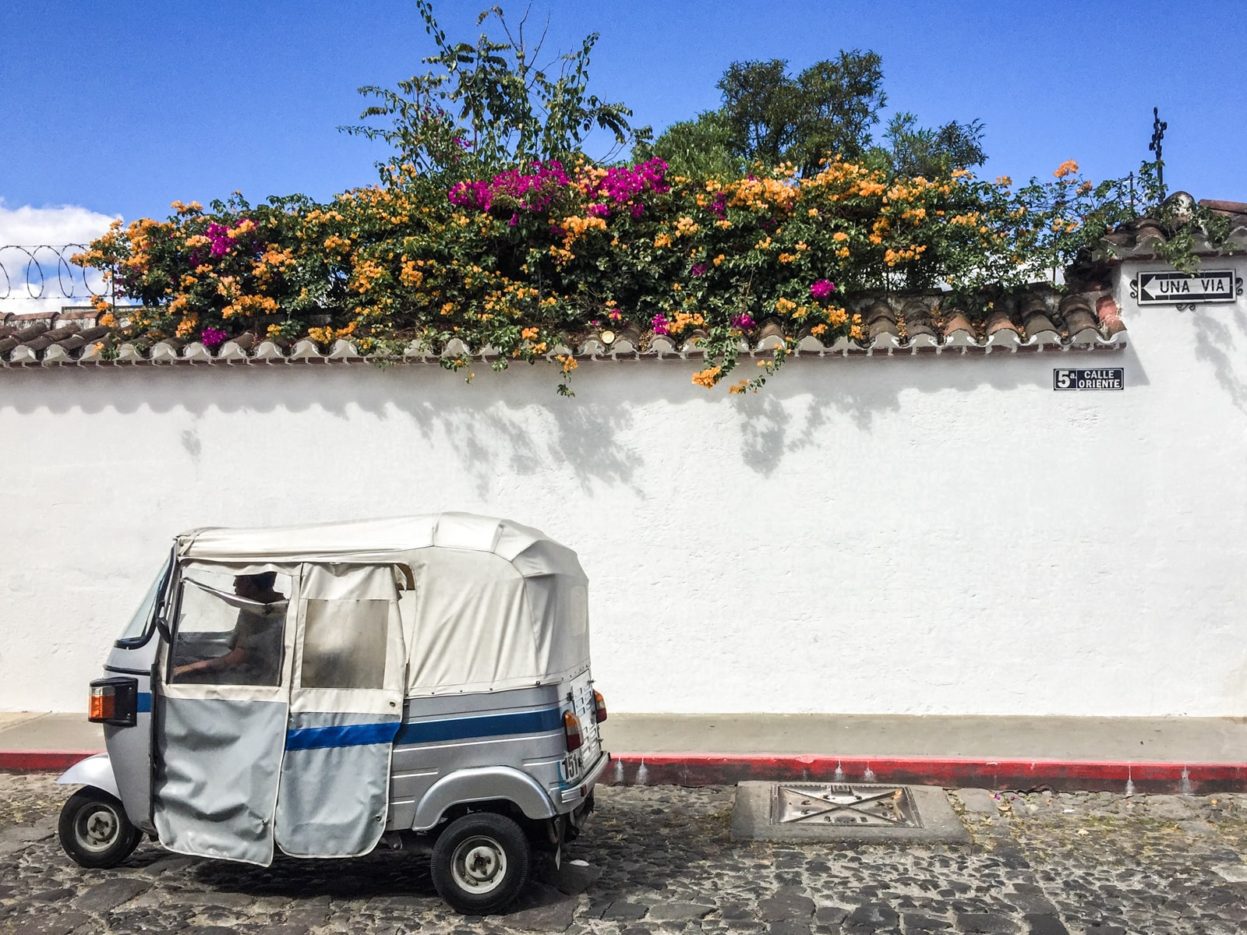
[534, 187]
[699, 269]
[515, 219]
[659, 323]
[471, 195]
[219, 235]
[614, 314]
[743, 321]
[822, 288]
[212, 337]
[621, 184]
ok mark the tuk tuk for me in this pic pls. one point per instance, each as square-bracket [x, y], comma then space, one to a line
[319, 690]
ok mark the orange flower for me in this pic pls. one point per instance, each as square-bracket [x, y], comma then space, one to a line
[410, 276]
[1068, 167]
[708, 377]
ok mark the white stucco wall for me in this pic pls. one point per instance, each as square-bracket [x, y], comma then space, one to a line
[909, 535]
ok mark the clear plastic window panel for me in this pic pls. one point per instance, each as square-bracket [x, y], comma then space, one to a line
[344, 644]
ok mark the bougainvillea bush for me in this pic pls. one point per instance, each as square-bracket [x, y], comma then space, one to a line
[541, 256]
[490, 225]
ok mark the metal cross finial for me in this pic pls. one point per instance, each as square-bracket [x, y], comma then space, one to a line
[1158, 135]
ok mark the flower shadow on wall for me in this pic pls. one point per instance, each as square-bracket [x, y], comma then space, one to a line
[1219, 343]
[504, 425]
[801, 409]
[495, 439]
[509, 424]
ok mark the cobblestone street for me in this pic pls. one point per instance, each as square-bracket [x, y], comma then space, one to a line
[660, 859]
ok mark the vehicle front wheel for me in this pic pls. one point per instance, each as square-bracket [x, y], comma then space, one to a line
[94, 829]
[480, 863]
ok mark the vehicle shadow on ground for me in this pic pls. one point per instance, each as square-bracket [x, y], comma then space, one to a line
[627, 853]
[381, 873]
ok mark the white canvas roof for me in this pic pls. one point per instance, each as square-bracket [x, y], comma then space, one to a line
[495, 605]
[529, 550]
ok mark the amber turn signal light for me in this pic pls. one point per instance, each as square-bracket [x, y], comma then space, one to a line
[571, 727]
[114, 701]
[103, 705]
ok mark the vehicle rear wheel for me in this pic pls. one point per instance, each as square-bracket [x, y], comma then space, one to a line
[94, 829]
[480, 863]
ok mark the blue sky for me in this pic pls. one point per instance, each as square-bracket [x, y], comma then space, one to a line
[119, 108]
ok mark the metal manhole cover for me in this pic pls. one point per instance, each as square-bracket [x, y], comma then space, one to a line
[844, 804]
[812, 812]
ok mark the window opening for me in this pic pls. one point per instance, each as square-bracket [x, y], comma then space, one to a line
[230, 628]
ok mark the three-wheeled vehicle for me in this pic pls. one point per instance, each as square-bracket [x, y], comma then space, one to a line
[319, 689]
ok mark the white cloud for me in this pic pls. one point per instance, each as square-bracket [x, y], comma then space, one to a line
[54, 226]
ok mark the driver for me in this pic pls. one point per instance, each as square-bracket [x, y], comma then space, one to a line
[254, 656]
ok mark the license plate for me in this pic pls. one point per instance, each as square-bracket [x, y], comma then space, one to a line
[572, 765]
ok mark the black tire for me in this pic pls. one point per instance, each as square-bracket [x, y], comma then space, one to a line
[480, 863]
[94, 829]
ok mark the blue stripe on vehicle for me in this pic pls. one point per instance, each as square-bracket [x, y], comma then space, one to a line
[145, 703]
[519, 722]
[343, 735]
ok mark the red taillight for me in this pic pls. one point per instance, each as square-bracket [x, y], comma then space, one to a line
[571, 727]
[103, 705]
[599, 707]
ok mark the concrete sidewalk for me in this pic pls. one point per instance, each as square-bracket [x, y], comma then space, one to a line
[1147, 754]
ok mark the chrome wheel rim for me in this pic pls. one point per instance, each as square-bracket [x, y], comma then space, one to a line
[478, 865]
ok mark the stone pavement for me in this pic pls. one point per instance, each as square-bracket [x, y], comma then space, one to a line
[660, 859]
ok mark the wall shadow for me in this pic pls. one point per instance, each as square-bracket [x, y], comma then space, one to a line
[1216, 344]
[514, 424]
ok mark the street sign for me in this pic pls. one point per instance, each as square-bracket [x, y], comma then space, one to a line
[1113, 378]
[1170, 287]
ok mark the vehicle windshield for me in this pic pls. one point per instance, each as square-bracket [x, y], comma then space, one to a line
[137, 628]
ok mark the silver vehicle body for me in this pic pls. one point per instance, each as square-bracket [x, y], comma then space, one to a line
[427, 665]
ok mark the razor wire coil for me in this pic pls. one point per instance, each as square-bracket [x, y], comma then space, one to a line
[40, 268]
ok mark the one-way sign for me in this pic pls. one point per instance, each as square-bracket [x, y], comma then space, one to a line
[1170, 287]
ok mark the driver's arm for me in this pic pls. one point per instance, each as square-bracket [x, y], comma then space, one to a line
[234, 657]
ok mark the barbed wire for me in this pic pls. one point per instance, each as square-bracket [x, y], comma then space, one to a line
[35, 268]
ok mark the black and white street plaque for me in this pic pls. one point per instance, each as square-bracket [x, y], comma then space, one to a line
[1170, 287]
[1112, 378]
